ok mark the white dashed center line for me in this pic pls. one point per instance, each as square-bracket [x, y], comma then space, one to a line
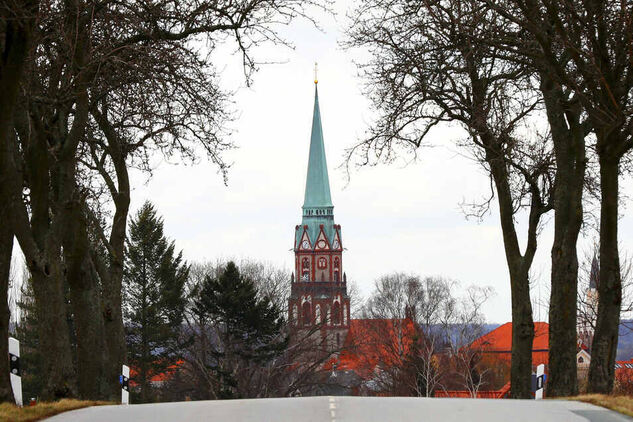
[332, 401]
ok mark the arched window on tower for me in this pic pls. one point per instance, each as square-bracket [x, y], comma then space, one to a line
[336, 314]
[317, 314]
[337, 262]
[328, 316]
[295, 315]
[322, 263]
[345, 314]
[307, 313]
[305, 269]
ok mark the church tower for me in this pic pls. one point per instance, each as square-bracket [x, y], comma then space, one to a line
[318, 299]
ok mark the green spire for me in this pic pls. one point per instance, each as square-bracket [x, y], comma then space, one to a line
[317, 193]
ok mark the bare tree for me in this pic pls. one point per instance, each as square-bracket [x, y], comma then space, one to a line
[588, 48]
[428, 68]
[272, 281]
[463, 325]
[434, 347]
[17, 19]
[97, 101]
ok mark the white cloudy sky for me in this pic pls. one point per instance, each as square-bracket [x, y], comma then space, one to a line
[394, 218]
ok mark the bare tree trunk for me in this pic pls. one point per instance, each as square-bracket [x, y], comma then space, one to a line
[522, 333]
[85, 298]
[58, 369]
[519, 266]
[14, 48]
[569, 149]
[6, 248]
[605, 340]
[114, 330]
[111, 273]
[17, 26]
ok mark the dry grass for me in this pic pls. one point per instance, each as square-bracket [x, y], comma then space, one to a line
[12, 413]
[622, 404]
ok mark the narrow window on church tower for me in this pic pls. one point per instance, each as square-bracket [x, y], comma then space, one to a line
[305, 271]
[295, 315]
[336, 314]
[307, 314]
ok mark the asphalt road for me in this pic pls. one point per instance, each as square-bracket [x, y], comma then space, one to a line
[349, 409]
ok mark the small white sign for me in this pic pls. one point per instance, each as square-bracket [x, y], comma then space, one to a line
[14, 366]
[540, 382]
[125, 378]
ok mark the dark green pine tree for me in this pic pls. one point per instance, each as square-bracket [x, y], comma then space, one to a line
[249, 328]
[26, 332]
[154, 299]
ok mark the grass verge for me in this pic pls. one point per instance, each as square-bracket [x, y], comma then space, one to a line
[12, 413]
[622, 404]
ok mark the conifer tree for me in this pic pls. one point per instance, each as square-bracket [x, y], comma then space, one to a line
[154, 298]
[248, 330]
[26, 332]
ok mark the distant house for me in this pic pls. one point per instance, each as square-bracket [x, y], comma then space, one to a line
[159, 379]
[497, 344]
[495, 350]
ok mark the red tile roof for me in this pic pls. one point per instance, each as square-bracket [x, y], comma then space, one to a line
[373, 342]
[160, 377]
[499, 341]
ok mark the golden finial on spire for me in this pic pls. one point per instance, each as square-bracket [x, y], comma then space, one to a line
[316, 80]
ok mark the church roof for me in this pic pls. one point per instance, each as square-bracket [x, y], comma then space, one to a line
[317, 192]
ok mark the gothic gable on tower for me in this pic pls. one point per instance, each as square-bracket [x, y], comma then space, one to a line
[336, 242]
[322, 242]
[304, 241]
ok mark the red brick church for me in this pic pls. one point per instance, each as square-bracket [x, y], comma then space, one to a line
[355, 351]
[319, 284]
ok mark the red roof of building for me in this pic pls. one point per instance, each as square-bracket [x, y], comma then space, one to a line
[499, 341]
[373, 342]
[160, 377]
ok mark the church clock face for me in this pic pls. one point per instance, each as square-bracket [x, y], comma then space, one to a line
[305, 244]
[321, 244]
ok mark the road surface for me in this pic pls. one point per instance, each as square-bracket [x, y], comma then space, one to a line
[349, 409]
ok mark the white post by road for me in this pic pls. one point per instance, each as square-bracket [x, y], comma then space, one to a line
[540, 382]
[14, 366]
[125, 378]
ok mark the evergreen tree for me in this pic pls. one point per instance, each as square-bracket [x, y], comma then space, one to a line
[154, 298]
[248, 330]
[26, 332]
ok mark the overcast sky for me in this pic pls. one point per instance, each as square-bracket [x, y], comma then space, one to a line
[394, 218]
[402, 217]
